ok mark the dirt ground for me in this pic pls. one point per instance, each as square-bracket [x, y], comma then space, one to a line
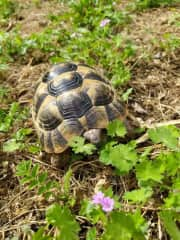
[155, 98]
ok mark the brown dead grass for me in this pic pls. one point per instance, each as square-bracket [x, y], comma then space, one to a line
[156, 72]
[156, 98]
[156, 90]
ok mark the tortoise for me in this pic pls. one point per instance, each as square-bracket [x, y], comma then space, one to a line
[73, 99]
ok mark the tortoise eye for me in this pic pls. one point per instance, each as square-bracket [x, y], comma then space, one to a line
[72, 66]
[46, 77]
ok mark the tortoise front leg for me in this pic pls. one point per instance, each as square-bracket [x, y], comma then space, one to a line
[93, 135]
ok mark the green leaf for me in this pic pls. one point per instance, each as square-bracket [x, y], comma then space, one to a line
[12, 145]
[105, 152]
[139, 222]
[10, 117]
[121, 76]
[3, 90]
[4, 126]
[40, 235]
[147, 171]
[23, 168]
[170, 225]
[43, 189]
[92, 212]
[35, 170]
[2, 116]
[66, 181]
[121, 227]
[138, 195]
[173, 199]
[15, 113]
[17, 143]
[125, 95]
[46, 186]
[108, 191]
[168, 135]
[31, 175]
[21, 133]
[33, 148]
[3, 67]
[144, 155]
[14, 109]
[121, 156]
[78, 146]
[86, 207]
[171, 162]
[42, 177]
[33, 183]
[61, 217]
[15, 238]
[116, 128]
[91, 234]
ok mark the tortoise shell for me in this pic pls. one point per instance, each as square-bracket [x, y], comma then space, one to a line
[69, 100]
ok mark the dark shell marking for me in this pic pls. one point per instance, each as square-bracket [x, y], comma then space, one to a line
[58, 138]
[49, 122]
[57, 70]
[65, 84]
[96, 117]
[70, 99]
[74, 126]
[94, 76]
[48, 142]
[112, 113]
[114, 110]
[41, 138]
[74, 105]
[120, 107]
[103, 95]
[39, 101]
[59, 141]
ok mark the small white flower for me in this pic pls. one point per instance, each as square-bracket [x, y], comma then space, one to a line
[104, 22]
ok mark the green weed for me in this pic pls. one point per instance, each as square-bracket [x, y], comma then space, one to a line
[144, 4]
[3, 93]
[170, 42]
[153, 176]
[10, 119]
[7, 7]
[31, 175]
[79, 146]
[13, 114]
[86, 39]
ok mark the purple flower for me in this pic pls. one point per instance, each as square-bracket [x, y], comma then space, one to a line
[104, 22]
[107, 204]
[98, 197]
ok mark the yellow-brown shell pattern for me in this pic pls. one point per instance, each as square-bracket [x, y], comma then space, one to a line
[70, 99]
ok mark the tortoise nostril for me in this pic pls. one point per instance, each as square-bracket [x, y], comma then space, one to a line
[45, 77]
